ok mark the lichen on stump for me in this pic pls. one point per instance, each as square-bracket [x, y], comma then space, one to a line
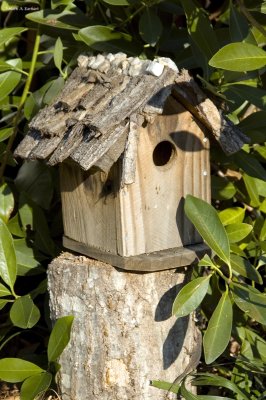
[123, 334]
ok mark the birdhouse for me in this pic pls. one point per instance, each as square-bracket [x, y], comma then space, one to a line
[130, 139]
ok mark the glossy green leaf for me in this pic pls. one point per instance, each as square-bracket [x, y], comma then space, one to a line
[221, 188]
[16, 370]
[252, 190]
[7, 34]
[238, 25]
[237, 232]
[208, 397]
[8, 264]
[200, 29]
[254, 346]
[53, 90]
[10, 79]
[25, 214]
[263, 231]
[117, 2]
[170, 387]
[105, 38]
[243, 267]
[232, 215]
[14, 227]
[26, 262]
[4, 291]
[34, 385]
[205, 261]
[254, 126]
[35, 179]
[186, 394]
[59, 337]
[242, 93]
[208, 224]
[239, 57]
[218, 333]
[250, 165]
[190, 296]
[66, 19]
[3, 303]
[204, 379]
[24, 313]
[251, 301]
[58, 53]
[150, 27]
[6, 202]
[5, 133]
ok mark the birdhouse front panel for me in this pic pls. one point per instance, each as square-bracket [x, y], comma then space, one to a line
[172, 161]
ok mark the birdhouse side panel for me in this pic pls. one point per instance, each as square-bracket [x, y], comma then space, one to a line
[88, 207]
[172, 161]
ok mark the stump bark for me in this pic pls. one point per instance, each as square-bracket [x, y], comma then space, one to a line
[123, 335]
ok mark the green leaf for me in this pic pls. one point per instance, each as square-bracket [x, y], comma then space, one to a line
[214, 380]
[254, 126]
[207, 397]
[53, 90]
[5, 133]
[221, 188]
[243, 267]
[190, 296]
[59, 337]
[117, 2]
[35, 179]
[150, 27]
[263, 231]
[8, 264]
[26, 262]
[66, 19]
[10, 79]
[7, 34]
[251, 301]
[208, 224]
[105, 38]
[241, 93]
[4, 291]
[6, 202]
[17, 370]
[186, 394]
[238, 25]
[200, 29]
[232, 215]
[237, 232]
[218, 333]
[58, 53]
[250, 165]
[252, 190]
[170, 387]
[34, 385]
[24, 313]
[14, 227]
[240, 57]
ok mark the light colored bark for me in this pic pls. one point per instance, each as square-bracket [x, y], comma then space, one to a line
[123, 334]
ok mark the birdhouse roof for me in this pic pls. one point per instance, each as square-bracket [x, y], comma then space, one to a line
[94, 118]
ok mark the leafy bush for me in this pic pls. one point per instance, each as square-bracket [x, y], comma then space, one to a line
[222, 44]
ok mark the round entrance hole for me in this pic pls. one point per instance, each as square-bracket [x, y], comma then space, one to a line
[163, 153]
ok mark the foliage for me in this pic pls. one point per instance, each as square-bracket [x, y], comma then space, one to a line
[222, 43]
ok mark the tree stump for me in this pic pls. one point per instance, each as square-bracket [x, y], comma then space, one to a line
[123, 335]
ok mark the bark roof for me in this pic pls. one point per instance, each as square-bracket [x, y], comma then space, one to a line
[90, 119]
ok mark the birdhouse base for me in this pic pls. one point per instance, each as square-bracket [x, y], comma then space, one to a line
[148, 262]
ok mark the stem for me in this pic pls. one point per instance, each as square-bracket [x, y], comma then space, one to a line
[21, 104]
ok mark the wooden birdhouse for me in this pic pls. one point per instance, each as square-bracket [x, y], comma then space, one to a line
[130, 138]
